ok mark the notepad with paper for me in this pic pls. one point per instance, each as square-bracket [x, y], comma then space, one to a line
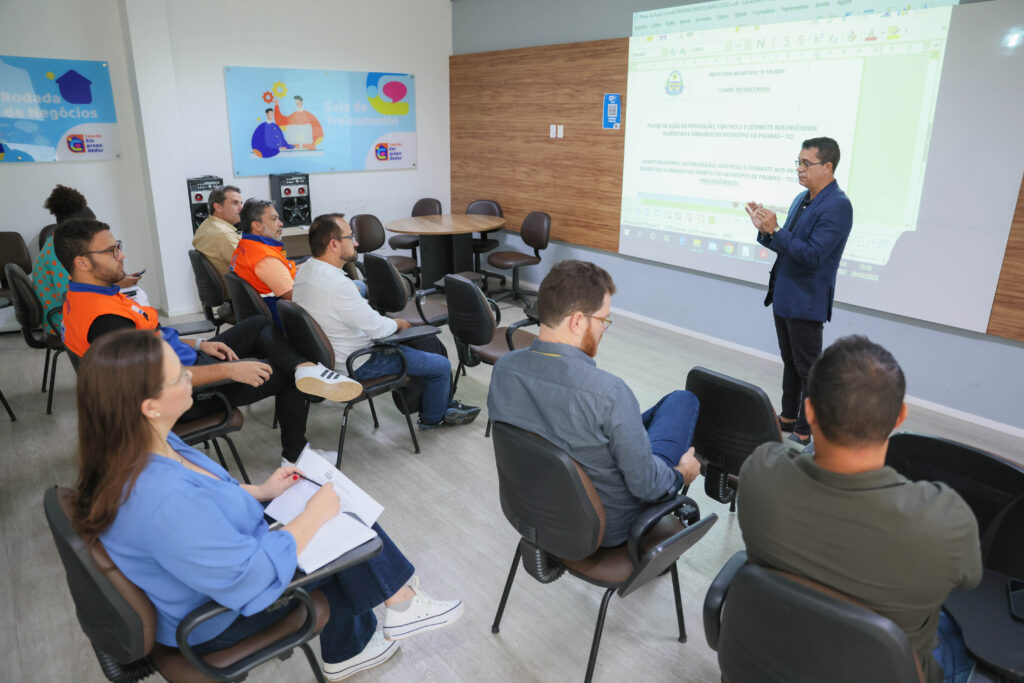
[349, 529]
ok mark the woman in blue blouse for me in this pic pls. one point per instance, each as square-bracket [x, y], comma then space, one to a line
[185, 532]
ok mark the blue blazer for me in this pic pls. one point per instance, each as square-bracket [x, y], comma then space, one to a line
[802, 283]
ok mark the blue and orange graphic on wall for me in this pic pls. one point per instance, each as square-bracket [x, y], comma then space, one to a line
[285, 120]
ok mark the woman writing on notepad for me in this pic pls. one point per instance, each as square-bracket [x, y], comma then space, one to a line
[185, 532]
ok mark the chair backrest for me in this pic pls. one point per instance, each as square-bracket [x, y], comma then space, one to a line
[369, 232]
[305, 334]
[428, 206]
[735, 418]
[536, 230]
[27, 308]
[244, 299]
[992, 487]
[386, 289]
[783, 628]
[485, 207]
[114, 613]
[45, 233]
[545, 495]
[209, 282]
[470, 318]
[13, 250]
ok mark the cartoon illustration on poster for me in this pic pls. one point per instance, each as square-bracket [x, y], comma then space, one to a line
[56, 110]
[310, 121]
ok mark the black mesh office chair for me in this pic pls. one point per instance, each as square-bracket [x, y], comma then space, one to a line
[548, 498]
[309, 339]
[535, 232]
[485, 242]
[389, 294]
[213, 293]
[773, 627]
[369, 232]
[735, 418]
[120, 621]
[245, 300]
[28, 311]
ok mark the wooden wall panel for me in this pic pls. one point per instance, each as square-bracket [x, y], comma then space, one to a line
[502, 104]
[1007, 318]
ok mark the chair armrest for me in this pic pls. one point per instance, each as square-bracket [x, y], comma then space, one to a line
[497, 311]
[652, 515]
[715, 598]
[420, 296]
[374, 348]
[406, 335]
[510, 331]
[362, 553]
[51, 314]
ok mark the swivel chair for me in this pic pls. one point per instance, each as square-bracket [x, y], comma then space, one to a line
[535, 232]
[484, 243]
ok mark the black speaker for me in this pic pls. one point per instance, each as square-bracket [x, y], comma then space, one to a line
[290, 194]
[199, 196]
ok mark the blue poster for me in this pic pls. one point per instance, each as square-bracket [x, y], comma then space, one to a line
[56, 110]
[314, 121]
[612, 119]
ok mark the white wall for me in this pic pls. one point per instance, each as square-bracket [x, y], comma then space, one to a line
[167, 62]
[115, 190]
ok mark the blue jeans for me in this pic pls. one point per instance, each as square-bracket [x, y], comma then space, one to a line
[670, 424]
[351, 594]
[434, 370]
[951, 653]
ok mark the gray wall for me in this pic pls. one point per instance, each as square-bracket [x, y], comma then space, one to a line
[965, 371]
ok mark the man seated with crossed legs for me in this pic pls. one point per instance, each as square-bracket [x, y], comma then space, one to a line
[94, 307]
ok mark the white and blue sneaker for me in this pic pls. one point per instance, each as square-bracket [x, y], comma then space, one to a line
[422, 614]
[319, 380]
[376, 652]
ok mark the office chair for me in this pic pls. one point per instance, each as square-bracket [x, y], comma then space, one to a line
[245, 300]
[7, 407]
[535, 233]
[29, 313]
[12, 251]
[45, 234]
[423, 207]
[305, 334]
[120, 621]
[370, 237]
[548, 498]
[772, 627]
[735, 418]
[388, 293]
[213, 293]
[484, 243]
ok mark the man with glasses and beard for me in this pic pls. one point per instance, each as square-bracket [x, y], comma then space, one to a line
[555, 390]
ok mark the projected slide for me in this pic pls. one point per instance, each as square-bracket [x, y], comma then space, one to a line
[716, 117]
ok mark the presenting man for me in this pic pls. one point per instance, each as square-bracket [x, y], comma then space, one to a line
[802, 282]
[260, 258]
[323, 289]
[94, 307]
[839, 516]
[554, 389]
[217, 237]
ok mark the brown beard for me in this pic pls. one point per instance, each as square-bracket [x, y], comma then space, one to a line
[590, 341]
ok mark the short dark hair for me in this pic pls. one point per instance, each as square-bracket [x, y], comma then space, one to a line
[65, 202]
[219, 194]
[856, 388]
[572, 286]
[828, 150]
[268, 109]
[252, 210]
[322, 230]
[72, 238]
[299, 98]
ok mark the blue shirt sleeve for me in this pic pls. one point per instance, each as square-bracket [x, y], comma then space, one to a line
[186, 354]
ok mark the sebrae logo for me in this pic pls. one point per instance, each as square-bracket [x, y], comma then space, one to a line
[381, 151]
[76, 143]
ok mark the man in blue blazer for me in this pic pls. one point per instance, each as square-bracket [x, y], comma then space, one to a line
[802, 282]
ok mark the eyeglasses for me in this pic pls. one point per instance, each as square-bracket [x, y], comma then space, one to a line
[807, 164]
[605, 322]
[350, 236]
[177, 380]
[113, 251]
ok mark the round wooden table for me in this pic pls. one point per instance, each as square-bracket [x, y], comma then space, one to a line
[446, 240]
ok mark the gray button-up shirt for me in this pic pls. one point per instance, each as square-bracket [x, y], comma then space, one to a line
[558, 392]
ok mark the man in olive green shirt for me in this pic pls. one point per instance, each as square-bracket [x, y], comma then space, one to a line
[217, 237]
[841, 517]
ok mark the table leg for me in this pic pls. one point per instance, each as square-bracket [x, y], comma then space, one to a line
[462, 253]
[435, 258]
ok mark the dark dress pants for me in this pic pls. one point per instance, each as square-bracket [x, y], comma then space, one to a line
[800, 346]
[259, 338]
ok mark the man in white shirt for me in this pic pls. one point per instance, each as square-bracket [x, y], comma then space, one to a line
[323, 289]
[217, 237]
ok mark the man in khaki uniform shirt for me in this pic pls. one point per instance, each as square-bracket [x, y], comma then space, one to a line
[217, 237]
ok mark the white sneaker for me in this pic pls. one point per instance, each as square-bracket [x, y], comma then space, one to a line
[423, 614]
[377, 651]
[318, 380]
